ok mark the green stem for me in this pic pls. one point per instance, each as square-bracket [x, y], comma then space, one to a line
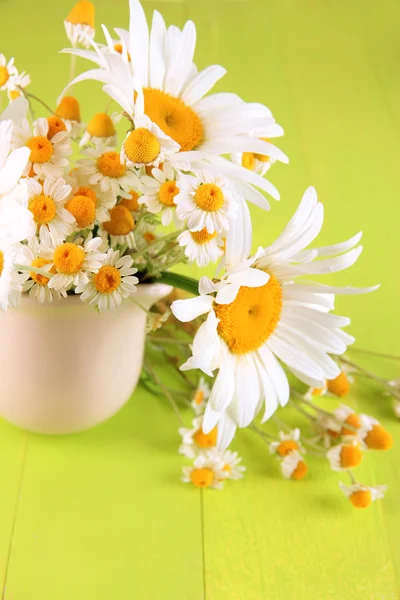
[32, 269]
[164, 239]
[167, 394]
[29, 95]
[182, 282]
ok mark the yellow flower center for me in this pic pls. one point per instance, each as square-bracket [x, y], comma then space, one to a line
[41, 149]
[69, 109]
[110, 165]
[317, 391]
[107, 279]
[14, 94]
[119, 48]
[121, 221]
[4, 75]
[361, 499]
[101, 126]
[227, 468]
[205, 440]
[83, 209]
[287, 447]
[1, 262]
[248, 160]
[350, 456]
[378, 438]
[198, 397]
[149, 236]
[247, 323]
[209, 197]
[340, 386]
[354, 421]
[142, 146]
[174, 118]
[202, 478]
[43, 209]
[167, 192]
[132, 202]
[88, 192]
[82, 14]
[262, 157]
[69, 258]
[41, 279]
[202, 237]
[300, 471]
[56, 125]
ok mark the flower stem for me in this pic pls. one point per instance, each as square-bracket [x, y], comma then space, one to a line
[167, 393]
[182, 282]
[32, 269]
[29, 95]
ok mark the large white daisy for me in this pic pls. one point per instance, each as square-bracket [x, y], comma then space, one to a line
[47, 157]
[249, 330]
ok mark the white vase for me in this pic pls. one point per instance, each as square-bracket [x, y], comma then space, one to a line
[65, 367]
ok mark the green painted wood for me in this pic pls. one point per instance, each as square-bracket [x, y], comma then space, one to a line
[102, 514]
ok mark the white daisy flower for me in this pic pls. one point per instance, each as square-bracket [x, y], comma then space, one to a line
[349, 421]
[201, 247]
[103, 168]
[159, 192]
[73, 262]
[373, 435]
[362, 496]
[8, 72]
[206, 201]
[100, 130]
[207, 471]
[69, 111]
[111, 284]
[37, 284]
[79, 24]
[254, 322]
[200, 396]
[47, 157]
[345, 456]
[313, 392]
[10, 281]
[194, 440]
[103, 202]
[232, 464]
[175, 93]
[47, 205]
[16, 85]
[293, 466]
[288, 442]
[119, 226]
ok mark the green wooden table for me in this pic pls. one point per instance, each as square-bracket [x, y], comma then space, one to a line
[102, 515]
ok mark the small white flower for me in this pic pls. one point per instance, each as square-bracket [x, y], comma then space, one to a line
[103, 168]
[111, 284]
[200, 396]
[159, 193]
[101, 130]
[119, 226]
[8, 72]
[362, 496]
[195, 441]
[207, 471]
[288, 442]
[205, 201]
[201, 247]
[232, 464]
[37, 284]
[47, 157]
[79, 24]
[345, 456]
[10, 281]
[372, 435]
[293, 466]
[47, 204]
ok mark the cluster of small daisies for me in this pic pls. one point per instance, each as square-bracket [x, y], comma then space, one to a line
[191, 161]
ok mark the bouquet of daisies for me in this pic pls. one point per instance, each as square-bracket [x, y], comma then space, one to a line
[177, 189]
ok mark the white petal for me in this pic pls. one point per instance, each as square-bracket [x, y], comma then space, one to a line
[187, 310]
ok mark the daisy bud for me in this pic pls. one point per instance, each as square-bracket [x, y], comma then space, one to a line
[373, 435]
[131, 203]
[83, 209]
[100, 128]
[345, 456]
[70, 112]
[346, 415]
[56, 125]
[362, 496]
[340, 386]
[293, 466]
[80, 23]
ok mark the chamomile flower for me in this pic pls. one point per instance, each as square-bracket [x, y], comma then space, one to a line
[232, 464]
[37, 283]
[10, 281]
[200, 396]
[79, 24]
[362, 496]
[100, 129]
[47, 205]
[373, 435]
[159, 192]
[111, 284]
[103, 202]
[16, 85]
[205, 201]
[47, 157]
[207, 471]
[201, 247]
[194, 440]
[348, 419]
[293, 466]
[266, 315]
[7, 72]
[288, 442]
[73, 262]
[345, 456]
[103, 168]
[314, 392]
[120, 227]
[69, 111]
[340, 385]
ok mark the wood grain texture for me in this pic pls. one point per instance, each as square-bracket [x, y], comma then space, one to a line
[102, 514]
